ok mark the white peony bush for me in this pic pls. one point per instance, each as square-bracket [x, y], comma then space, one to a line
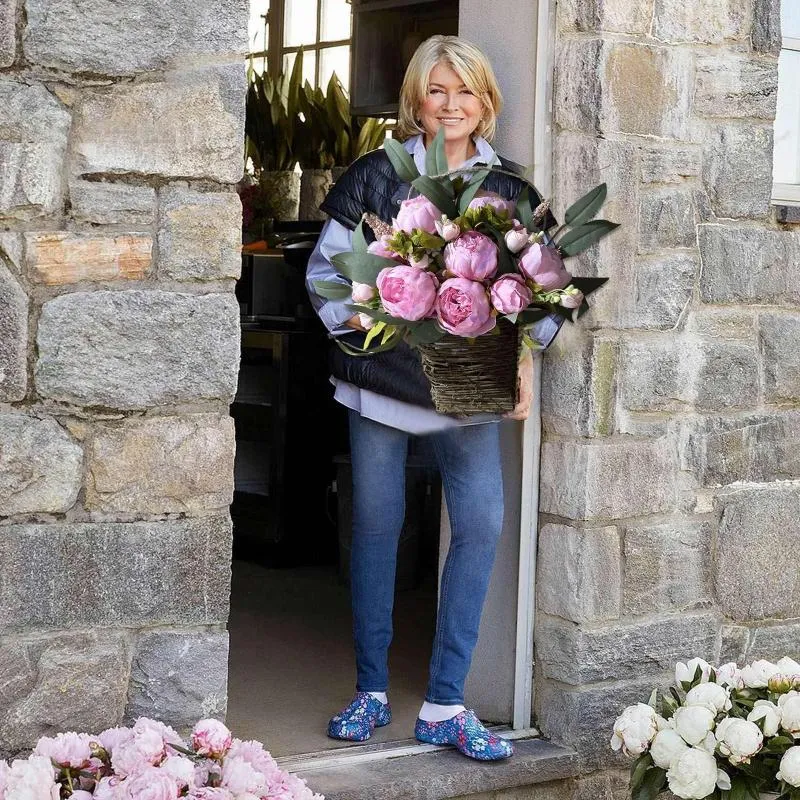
[150, 761]
[720, 733]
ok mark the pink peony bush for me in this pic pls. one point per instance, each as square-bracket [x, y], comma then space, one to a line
[150, 761]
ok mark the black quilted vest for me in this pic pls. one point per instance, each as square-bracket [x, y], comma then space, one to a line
[371, 185]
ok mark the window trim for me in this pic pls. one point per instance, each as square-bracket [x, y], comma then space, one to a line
[787, 193]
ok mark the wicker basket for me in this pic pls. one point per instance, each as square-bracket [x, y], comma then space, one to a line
[472, 377]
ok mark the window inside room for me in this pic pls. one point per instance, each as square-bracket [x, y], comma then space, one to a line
[786, 167]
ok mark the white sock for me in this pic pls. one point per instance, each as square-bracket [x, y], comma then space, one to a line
[380, 696]
[433, 712]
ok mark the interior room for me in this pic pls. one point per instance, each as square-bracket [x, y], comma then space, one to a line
[291, 659]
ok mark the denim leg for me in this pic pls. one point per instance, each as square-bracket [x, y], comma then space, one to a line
[470, 463]
[378, 455]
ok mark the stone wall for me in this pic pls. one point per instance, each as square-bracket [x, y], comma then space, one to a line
[121, 142]
[670, 488]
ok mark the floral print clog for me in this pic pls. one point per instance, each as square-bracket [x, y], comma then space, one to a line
[468, 734]
[357, 722]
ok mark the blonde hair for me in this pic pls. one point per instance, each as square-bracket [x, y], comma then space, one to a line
[468, 62]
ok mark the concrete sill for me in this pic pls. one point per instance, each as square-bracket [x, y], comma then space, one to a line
[787, 213]
[438, 773]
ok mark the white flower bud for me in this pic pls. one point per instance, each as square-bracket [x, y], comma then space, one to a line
[770, 713]
[516, 239]
[789, 768]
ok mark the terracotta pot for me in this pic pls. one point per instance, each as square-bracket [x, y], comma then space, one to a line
[283, 191]
[314, 185]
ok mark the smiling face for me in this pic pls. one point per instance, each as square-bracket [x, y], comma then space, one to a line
[449, 103]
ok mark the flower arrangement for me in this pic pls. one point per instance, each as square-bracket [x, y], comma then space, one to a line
[458, 258]
[725, 733]
[150, 761]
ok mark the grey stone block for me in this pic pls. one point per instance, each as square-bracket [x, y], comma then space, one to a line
[617, 16]
[733, 644]
[737, 170]
[32, 150]
[143, 128]
[116, 573]
[610, 784]
[773, 641]
[577, 94]
[646, 90]
[108, 203]
[780, 344]
[609, 479]
[756, 552]
[662, 287]
[667, 218]
[161, 465]
[199, 234]
[40, 466]
[579, 573]
[733, 85]
[573, 655]
[749, 264]
[69, 682]
[8, 35]
[708, 21]
[110, 38]
[179, 676]
[766, 34]
[660, 164]
[13, 337]
[757, 448]
[727, 376]
[134, 349]
[578, 384]
[667, 566]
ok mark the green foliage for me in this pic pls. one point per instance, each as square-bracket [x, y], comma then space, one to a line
[582, 237]
[332, 290]
[586, 207]
[401, 160]
[361, 267]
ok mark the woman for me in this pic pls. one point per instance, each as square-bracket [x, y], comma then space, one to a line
[449, 83]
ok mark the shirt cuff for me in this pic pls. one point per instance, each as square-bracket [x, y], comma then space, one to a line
[334, 315]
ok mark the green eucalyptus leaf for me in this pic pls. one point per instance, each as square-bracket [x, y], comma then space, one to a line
[333, 290]
[530, 315]
[355, 351]
[437, 194]
[435, 158]
[588, 285]
[524, 210]
[587, 206]
[639, 769]
[471, 189]
[359, 241]
[584, 236]
[382, 316]
[401, 160]
[361, 267]
[372, 333]
[426, 332]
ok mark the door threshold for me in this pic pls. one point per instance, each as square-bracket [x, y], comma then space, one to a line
[359, 754]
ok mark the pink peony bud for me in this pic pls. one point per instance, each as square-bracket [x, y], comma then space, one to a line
[447, 229]
[571, 297]
[516, 239]
[510, 294]
[407, 292]
[211, 738]
[367, 322]
[380, 247]
[422, 262]
[543, 265]
[462, 308]
[363, 292]
[500, 204]
[418, 212]
[473, 255]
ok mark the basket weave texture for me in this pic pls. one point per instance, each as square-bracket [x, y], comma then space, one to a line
[473, 376]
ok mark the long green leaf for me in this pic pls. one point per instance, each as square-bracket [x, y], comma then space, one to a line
[584, 236]
[738, 788]
[471, 189]
[587, 206]
[638, 770]
[382, 316]
[524, 211]
[354, 351]
[401, 160]
[588, 285]
[652, 783]
[373, 332]
[435, 158]
[359, 241]
[332, 290]
[426, 332]
[437, 194]
[531, 315]
[505, 261]
[361, 267]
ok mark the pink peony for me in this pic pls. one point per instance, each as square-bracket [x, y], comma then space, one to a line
[166, 733]
[180, 769]
[81, 794]
[362, 292]
[151, 783]
[210, 737]
[254, 754]
[473, 255]
[4, 770]
[204, 770]
[144, 749]
[418, 212]
[238, 777]
[380, 247]
[209, 793]
[500, 204]
[516, 238]
[112, 737]
[407, 292]
[66, 749]
[33, 778]
[543, 265]
[462, 308]
[510, 294]
[108, 788]
[290, 787]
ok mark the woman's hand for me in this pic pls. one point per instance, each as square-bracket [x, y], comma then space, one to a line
[525, 384]
[355, 323]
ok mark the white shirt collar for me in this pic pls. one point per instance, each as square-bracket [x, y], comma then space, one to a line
[484, 152]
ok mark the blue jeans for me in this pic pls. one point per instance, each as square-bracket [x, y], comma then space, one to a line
[470, 464]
